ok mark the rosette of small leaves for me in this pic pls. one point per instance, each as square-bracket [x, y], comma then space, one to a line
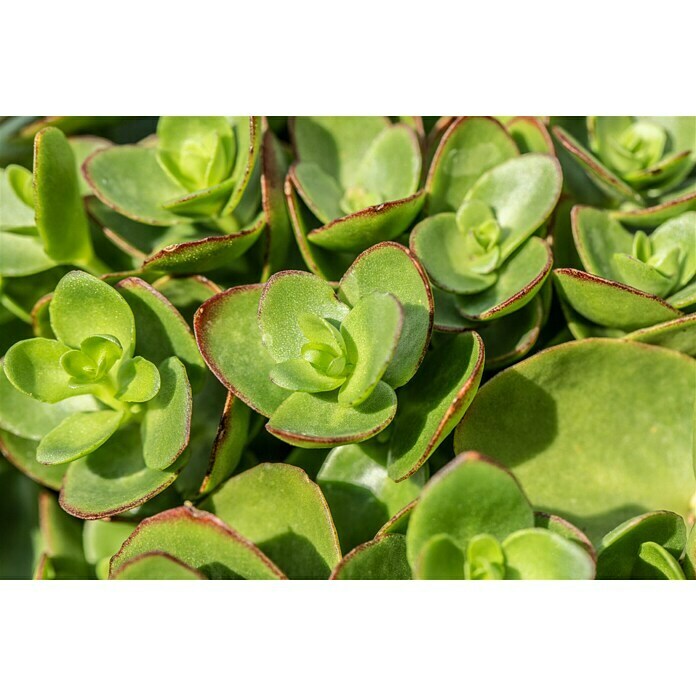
[358, 180]
[92, 409]
[632, 280]
[473, 521]
[323, 365]
[185, 200]
[637, 162]
[486, 204]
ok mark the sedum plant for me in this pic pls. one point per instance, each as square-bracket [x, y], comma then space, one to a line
[637, 161]
[441, 348]
[486, 202]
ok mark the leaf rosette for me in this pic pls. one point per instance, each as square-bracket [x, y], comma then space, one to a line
[642, 164]
[323, 365]
[108, 412]
[486, 205]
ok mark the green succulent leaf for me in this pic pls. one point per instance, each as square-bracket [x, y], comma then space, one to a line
[130, 180]
[522, 192]
[17, 200]
[318, 420]
[156, 565]
[678, 334]
[519, 279]
[25, 417]
[380, 559]
[619, 550]
[656, 563]
[434, 401]
[112, 479]
[22, 255]
[60, 217]
[361, 496]
[470, 496]
[139, 380]
[160, 329]
[166, 425]
[440, 558]
[76, 436]
[101, 539]
[371, 332]
[229, 443]
[471, 146]
[539, 554]
[280, 510]
[286, 296]
[566, 422]
[34, 368]
[391, 268]
[530, 135]
[21, 452]
[84, 306]
[229, 337]
[201, 541]
[611, 304]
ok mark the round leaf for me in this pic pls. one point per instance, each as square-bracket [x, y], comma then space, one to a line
[567, 422]
[380, 559]
[280, 510]
[156, 565]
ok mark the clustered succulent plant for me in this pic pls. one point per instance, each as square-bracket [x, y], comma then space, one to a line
[348, 348]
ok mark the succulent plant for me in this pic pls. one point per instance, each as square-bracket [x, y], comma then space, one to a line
[631, 281]
[641, 161]
[441, 348]
[478, 244]
[103, 408]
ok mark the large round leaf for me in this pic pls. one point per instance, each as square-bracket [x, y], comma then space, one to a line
[280, 510]
[201, 541]
[597, 431]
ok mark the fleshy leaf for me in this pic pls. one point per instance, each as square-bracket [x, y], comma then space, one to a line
[130, 180]
[371, 332]
[229, 443]
[440, 558]
[229, 338]
[101, 539]
[60, 216]
[522, 192]
[84, 306]
[22, 255]
[201, 541]
[470, 496]
[611, 304]
[286, 296]
[678, 334]
[156, 565]
[22, 453]
[539, 554]
[25, 417]
[566, 421]
[390, 267]
[619, 550]
[297, 374]
[530, 135]
[112, 479]
[139, 380]
[519, 279]
[361, 496]
[77, 436]
[280, 510]
[471, 146]
[166, 425]
[34, 367]
[318, 420]
[380, 559]
[319, 190]
[434, 401]
[656, 563]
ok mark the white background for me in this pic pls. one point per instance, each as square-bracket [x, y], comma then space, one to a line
[359, 57]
